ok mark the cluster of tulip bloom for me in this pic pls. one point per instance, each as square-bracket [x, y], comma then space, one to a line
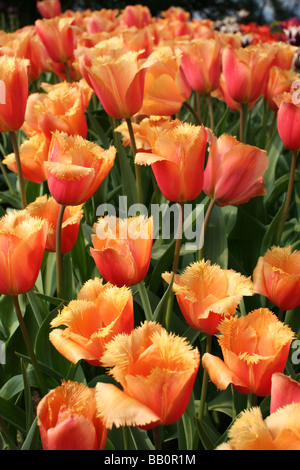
[158, 82]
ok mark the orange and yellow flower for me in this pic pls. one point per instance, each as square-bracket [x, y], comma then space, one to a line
[76, 167]
[22, 247]
[201, 63]
[48, 210]
[49, 8]
[67, 419]
[13, 92]
[206, 294]
[118, 81]
[279, 431]
[33, 153]
[254, 347]
[277, 277]
[100, 312]
[246, 71]
[234, 171]
[166, 88]
[177, 160]
[62, 109]
[156, 370]
[122, 248]
[58, 37]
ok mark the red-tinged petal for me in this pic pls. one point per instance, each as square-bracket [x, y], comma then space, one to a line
[116, 266]
[117, 408]
[74, 433]
[284, 390]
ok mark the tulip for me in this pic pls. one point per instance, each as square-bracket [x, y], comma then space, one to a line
[288, 118]
[76, 168]
[33, 154]
[201, 64]
[135, 15]
[13, 92]
[277, 277]
[100, 312]
[206, 294]
[156, 370]
[118, 82]
[279, 431]
[177, 160]
[166, 88]
[49, 8]
[122, 248]
[22, 246]
[246, 70]
[48, 209]
[67, 419]
[57, 35]
[254, 347]
[284, 391]
[280, 80]
[60, 109]
[234, 171]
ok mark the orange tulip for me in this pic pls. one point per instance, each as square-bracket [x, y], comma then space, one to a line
[76, 168]
[254, 347]
[48, 209]
[177, 160]
[13, 92]
[157, 383]
[280, 80]
[288, 118]
[22, 246]
[122, 248]
[284, 54]
[206, 294]
[60, 109]
[201, 63]
[166, 87]
[118, 82]
[234, 171]
[49, 8]
[246, 70]
[135, 15]
[100, 312]
[67, 419]
[279, 431]
[284, 391]
[57, 35]
[277, 277]
[33, 154]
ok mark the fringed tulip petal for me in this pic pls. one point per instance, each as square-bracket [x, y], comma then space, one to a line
[118, 408]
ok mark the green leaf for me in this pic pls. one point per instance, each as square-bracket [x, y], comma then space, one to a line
[208, 435]
[32, 437]
[13, 414]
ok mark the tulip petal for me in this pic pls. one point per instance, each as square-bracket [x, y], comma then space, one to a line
[74, 433]
[284, 391]
[220, 374]
[117, 408]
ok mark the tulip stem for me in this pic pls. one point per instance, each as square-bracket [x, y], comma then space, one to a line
[28, 344]
[243, 110]
[175, 263]
[67, 70]
[157, 439]
[204, 381]
[136, 167]
[59, 263]
[19, 168]
[193, 112]
[288, 196]
[211, 112]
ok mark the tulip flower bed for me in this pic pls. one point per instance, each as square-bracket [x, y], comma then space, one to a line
[149, 233]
